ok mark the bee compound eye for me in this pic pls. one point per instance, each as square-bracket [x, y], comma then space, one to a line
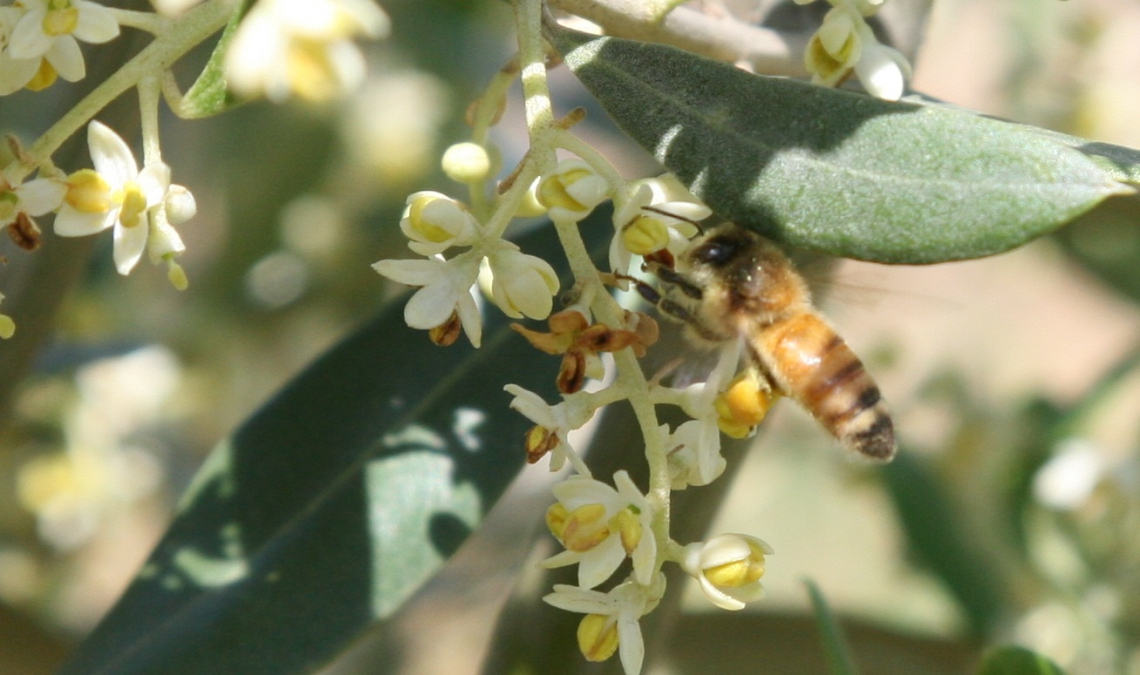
[716, 251]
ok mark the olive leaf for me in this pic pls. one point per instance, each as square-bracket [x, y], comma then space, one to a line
[839, 172]
[333, 504]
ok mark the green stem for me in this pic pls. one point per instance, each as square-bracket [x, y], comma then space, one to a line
[194, 27]
[536, 94]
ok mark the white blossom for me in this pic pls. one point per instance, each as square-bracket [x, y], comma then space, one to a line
[116, 193]
[625, 604]
[669, 226]
[572, 190]
[728, 568]
[434, 222]
[302, 47]
[49, 30]
[623, 524]
[521, 285]
[445, 288]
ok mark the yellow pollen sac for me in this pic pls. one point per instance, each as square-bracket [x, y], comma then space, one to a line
[738, 573]
[585, 528]
[645, 235]
[742, 406]
[628, 527]
[134, 205]
[429, 230]
[89, 192]
[556, 517]
[45, 76]
[597, 637]
[553, 192]
[61, 19]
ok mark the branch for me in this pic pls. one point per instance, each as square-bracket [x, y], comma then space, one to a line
[723, 38]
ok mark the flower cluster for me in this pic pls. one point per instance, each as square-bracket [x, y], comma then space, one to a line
[39, 41]
[599, 524]
[281, 48]
[846, 44]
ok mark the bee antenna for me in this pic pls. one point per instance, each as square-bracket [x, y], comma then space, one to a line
[663, 212]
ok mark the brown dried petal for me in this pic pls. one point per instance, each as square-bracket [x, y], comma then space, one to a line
[550, 343]
[24, 231]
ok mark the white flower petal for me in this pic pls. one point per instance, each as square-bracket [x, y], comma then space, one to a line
[129, 245]
[718, 597]
[65, 57]
[28, 40]
[470, 318]
[600, 562]
[111, 155]
[97, 23]
[41, 195]
[631, 646]
[411, 272]
[583, 601]
[16, 73]
[72, 223]
[431, 305]
[154, 180]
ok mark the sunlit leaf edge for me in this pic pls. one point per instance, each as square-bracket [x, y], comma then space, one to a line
[964, 211]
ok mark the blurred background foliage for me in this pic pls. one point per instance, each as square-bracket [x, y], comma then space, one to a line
[1011, 514]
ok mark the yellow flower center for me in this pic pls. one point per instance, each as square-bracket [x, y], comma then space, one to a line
[311, 71]
[89, 192]
[134, 204]
[61, 18]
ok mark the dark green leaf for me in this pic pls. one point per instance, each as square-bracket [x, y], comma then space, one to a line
[208, 95]
[1013, 660]
[839, 659]
[336, 501]
[936, 534]
[834, 171]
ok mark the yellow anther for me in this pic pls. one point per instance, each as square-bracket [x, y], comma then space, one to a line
[585, 528]
[555, 190]
[597, 637]
[44, 77]
[134, 204]
[742, 406]
[628, 527]
[739, 572]
[645, 235]
[89, 192]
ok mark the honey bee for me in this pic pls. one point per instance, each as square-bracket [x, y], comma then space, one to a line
[734, 283]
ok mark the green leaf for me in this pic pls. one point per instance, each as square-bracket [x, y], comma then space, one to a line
[839, 659]
[835, 171]
[936, 534]
[327, 509]
[208, 95]
[1014, 660]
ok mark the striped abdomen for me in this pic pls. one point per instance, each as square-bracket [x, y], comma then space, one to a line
[809, 362]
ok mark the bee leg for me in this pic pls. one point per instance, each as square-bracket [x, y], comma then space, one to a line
[681, 282]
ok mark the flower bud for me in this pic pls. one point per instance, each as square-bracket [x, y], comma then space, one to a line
[435, 222]
[729, 568]
[466, 163]
[572, 190]
[522, 285]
